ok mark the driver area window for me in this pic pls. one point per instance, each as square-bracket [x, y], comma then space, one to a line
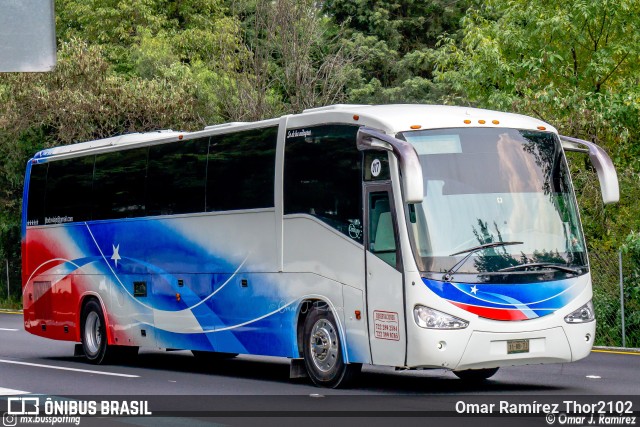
[382, 236]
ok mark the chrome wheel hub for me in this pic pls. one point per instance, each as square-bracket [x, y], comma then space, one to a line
[324, 345]
[93, 333]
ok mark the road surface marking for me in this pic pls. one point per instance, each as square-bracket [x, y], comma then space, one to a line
[633, 353]
[10, 312]
[8, 330]
[86, 371]
[11, 392]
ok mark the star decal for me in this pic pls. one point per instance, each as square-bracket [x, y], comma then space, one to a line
[116, 256]
[474, 289]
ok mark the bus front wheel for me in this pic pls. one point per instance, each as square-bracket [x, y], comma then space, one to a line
[323, 350]
[473, 375]
[93, 333]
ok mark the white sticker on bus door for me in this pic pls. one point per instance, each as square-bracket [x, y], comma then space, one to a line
[386, 325]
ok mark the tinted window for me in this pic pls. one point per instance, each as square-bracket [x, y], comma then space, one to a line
[35, 202]
[322, 176]
[241, 169]
[176, 177]
[68, 195]
[376, 166]
[382, 236]
[119, 182]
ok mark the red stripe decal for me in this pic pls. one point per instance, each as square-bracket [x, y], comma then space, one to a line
[493, 313]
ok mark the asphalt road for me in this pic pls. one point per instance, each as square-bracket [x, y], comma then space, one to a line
[254, 390]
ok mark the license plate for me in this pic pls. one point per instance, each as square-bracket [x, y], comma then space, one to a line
[517, 346]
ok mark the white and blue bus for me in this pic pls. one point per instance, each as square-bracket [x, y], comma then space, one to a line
[411, 236]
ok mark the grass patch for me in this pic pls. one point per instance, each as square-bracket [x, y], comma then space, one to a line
[13, 303]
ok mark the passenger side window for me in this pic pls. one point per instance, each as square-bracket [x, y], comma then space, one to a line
[241, 171]
[176, 177]
[323, 177]
[37, 187]
[69, 188]
[119, 184]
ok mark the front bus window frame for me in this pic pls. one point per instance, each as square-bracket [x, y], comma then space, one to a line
[435, 269]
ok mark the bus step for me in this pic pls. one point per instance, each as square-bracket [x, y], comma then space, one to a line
[297, 369]
[78, 350]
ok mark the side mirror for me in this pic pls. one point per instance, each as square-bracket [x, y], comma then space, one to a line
[410, 167]
[602, 162]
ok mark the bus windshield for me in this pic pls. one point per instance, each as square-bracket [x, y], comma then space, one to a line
[494, 185]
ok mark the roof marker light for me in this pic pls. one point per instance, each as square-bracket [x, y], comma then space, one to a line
[467, 121]
[356, 117]
[542, 128]
[481, 122]
[416, 126]
[495, 122]
[180, 136]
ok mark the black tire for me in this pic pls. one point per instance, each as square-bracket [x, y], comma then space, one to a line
[322, 350]
[476, 375]
[94, 335]
[211, 356]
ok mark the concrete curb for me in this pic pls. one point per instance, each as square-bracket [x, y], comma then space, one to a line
[625, 349]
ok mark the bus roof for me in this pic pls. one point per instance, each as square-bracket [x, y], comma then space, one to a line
[391, 118]
[405, 117]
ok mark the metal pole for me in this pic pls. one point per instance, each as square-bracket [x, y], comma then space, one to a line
[624, 337]
[8, 294]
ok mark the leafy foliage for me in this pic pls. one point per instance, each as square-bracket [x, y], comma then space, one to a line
[393, 41]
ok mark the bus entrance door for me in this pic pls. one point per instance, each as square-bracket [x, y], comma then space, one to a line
[385, 301]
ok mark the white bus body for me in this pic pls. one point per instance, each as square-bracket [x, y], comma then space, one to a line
[411, 236]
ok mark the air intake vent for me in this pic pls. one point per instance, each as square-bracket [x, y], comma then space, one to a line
[42, 302]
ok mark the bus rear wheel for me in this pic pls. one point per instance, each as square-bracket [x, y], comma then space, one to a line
[93, 334]
[474, 375]
[323, 350]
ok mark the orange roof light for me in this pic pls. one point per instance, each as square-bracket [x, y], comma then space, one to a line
[542, 128]
[481, 122]
[467, 122]
[495, 122]
[180, 136]
[416, 126]
[356, 117]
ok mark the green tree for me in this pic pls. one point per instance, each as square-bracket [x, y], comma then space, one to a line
[296, 60]
[393, 41]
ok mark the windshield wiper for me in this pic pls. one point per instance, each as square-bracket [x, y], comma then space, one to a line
[559, 267]
[448, 275]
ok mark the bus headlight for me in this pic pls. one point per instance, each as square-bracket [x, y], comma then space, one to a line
[582, 315]
[433, 319]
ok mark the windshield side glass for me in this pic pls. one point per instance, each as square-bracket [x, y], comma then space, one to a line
[494, 185]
